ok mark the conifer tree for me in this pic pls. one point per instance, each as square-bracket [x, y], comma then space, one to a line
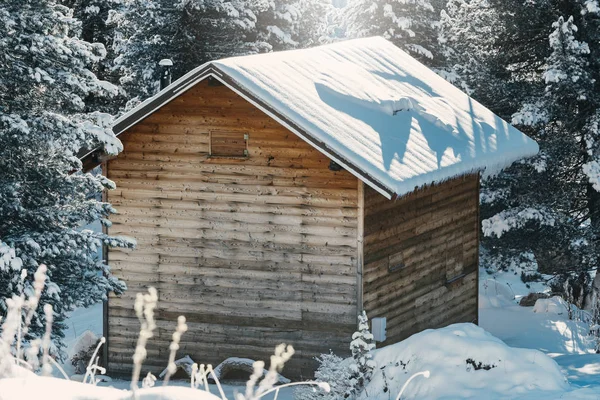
[410, 24]
[192, 32]
[536, 64]
[44, 198]
[93, 16]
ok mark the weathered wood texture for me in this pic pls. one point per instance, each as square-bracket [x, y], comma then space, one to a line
[421, 256]
[253, 251]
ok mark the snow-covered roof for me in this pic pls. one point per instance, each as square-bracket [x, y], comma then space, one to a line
[369, 106]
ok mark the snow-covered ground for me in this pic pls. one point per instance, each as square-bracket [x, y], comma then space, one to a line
[551, 332]
[90, 319]
[514, 343]
[36, 388]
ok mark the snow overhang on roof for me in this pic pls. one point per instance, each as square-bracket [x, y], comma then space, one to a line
[370, 107]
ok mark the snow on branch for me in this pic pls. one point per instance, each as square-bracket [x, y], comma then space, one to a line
[515, 218]
[530, 114]
[8, 258]
[592, 171]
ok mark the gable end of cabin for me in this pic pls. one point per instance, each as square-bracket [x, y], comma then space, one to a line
[241, 226]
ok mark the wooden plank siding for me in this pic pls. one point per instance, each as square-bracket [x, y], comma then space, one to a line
[254, 251]
[421, 257]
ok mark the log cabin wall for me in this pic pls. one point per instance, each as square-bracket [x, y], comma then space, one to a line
[421, 257]
[253, 251]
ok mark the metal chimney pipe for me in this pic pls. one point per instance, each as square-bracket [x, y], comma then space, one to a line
[165, 74]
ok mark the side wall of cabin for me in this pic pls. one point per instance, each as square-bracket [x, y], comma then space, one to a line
[421, 257]
[253, 251]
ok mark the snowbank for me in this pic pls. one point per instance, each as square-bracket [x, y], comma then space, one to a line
[83, 343]
[42, 388]
[465, 361]
[545, 327]
[554, 305]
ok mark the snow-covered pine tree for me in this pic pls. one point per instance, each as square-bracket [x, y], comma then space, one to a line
[288, 24]
[410, 24]
[140, 29]
[189, 32]
[44, 200]
[541, 72]
[467, 27]
[595, 322]
[192, 32]
[362, 346]
[93, 15]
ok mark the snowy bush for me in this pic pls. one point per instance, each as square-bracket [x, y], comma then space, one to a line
[83, 351]
[361, 346]
[335, 371]
[347, 377]
[465, 362]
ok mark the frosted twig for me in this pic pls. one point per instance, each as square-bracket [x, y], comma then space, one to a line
[193, 377]
[32, 353]
[9, 329]
[57, 365]
[39, 281]
[46, 367]
[92, 367]
[20, 330]
[23, 363]
[171, 367]
[282, 354]
[217, 382]
[96, 368]
[204, 372]
[144, 309]
[259, 367]
[424, 373]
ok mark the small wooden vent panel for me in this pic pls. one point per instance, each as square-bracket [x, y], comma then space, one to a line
[228, 144]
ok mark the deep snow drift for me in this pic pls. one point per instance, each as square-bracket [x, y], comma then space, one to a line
[54, 388]
[465, 362]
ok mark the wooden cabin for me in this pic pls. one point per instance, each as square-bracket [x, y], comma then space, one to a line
[274, 197]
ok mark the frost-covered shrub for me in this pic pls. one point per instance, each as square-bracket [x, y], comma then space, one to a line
[81, 358]
[347, 378]
[362, 345]
[335, 371]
